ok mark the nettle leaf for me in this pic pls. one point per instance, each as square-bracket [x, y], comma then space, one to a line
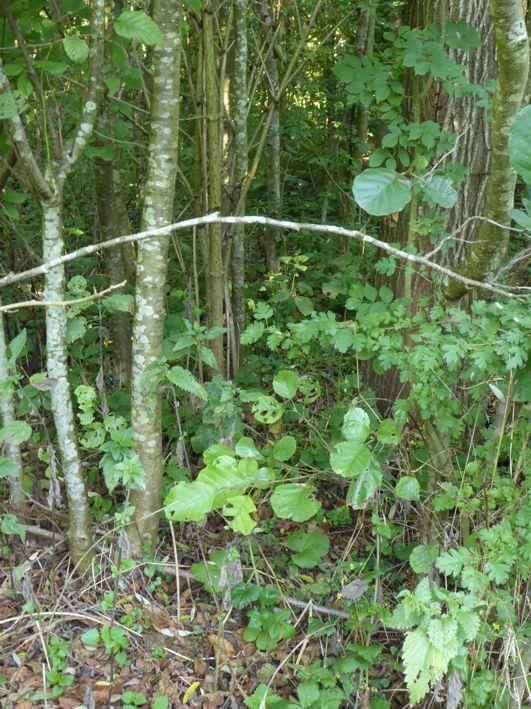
[350, 458]
[520, 145]
[240, 508]
[185, 380]
[267, 409]
[284, 448]
[138, 25]
[294, 501]
[17, 432]
[356, 425]
[380, 192]
[408, 488]
[310, 548]
[285, 384]
[439, 190]
[422, 558]
[76, 49]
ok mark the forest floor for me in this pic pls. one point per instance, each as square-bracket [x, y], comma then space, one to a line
[146, 638]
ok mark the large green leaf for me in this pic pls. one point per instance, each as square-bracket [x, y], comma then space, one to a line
[189, 502]
[350, 458]
[138, 25]
[520, 144]
[381, 192]
[296, 502]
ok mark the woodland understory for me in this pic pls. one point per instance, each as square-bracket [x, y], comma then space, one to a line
[264, 353]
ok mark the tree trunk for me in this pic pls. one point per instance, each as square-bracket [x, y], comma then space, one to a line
[215, 277]
[113, 222]
[79, 525]
[513, 67]
[7, 410]
[240, 170]
[159, 192]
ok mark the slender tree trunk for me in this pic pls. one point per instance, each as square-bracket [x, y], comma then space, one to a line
[113, 222]
[241, 161]
[7, 411]
[513, 67]
[271, 17]
[159, 192]
[215, 277]
[79, 525]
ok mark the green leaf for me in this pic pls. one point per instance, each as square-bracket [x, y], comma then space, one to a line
[194, 5]
[91, 637]
[7, 468]
[415, 652]
[380, 192]
[310, 548]
[285, 384]
[252, 333]
[17, 431]
[350, 458]
[240, 509]
[356, 425]
[294, 501]
[363, 487]
[266, 409]
[246, 448]
[284, 448]
[138, 25]
[11, 526]
[422, 557]
[451, 562]
[76, 49]
[243, 594]
[388, 432]
[189, 501]
[16, 346]
[520, 145]
[439, 190]
[408, 488]
[185, 380]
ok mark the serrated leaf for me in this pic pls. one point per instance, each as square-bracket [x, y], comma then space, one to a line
[284, 448]
[422, 557]
[243, 594]
[252, 333]
[91, 637]
[285, 384]
[138, 25]
[76, 49]
[408, 488]
[356, 425]
[294, 501]
[380, 192]
[350, 458]
[450, 563]
[310, 547]
[17, 432]
[186, 381]
[16, 346]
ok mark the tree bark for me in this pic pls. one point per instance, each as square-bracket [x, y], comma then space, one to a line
[512, 46]
[159, 192]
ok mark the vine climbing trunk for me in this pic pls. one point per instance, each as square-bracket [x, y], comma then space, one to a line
[159, 192]
[512, 46]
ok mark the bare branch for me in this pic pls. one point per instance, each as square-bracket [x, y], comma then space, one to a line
[60, 303]
[215, 218]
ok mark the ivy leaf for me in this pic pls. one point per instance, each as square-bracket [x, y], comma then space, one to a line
[285, 448]
[356, 425]
[310, 548]
[285, 384]
[76, 49]
[380, 192]
[422, 557]
[138, 25]
[408, 488]
[350, 458]
[293, 501]
[185, 380]
[520, 145]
